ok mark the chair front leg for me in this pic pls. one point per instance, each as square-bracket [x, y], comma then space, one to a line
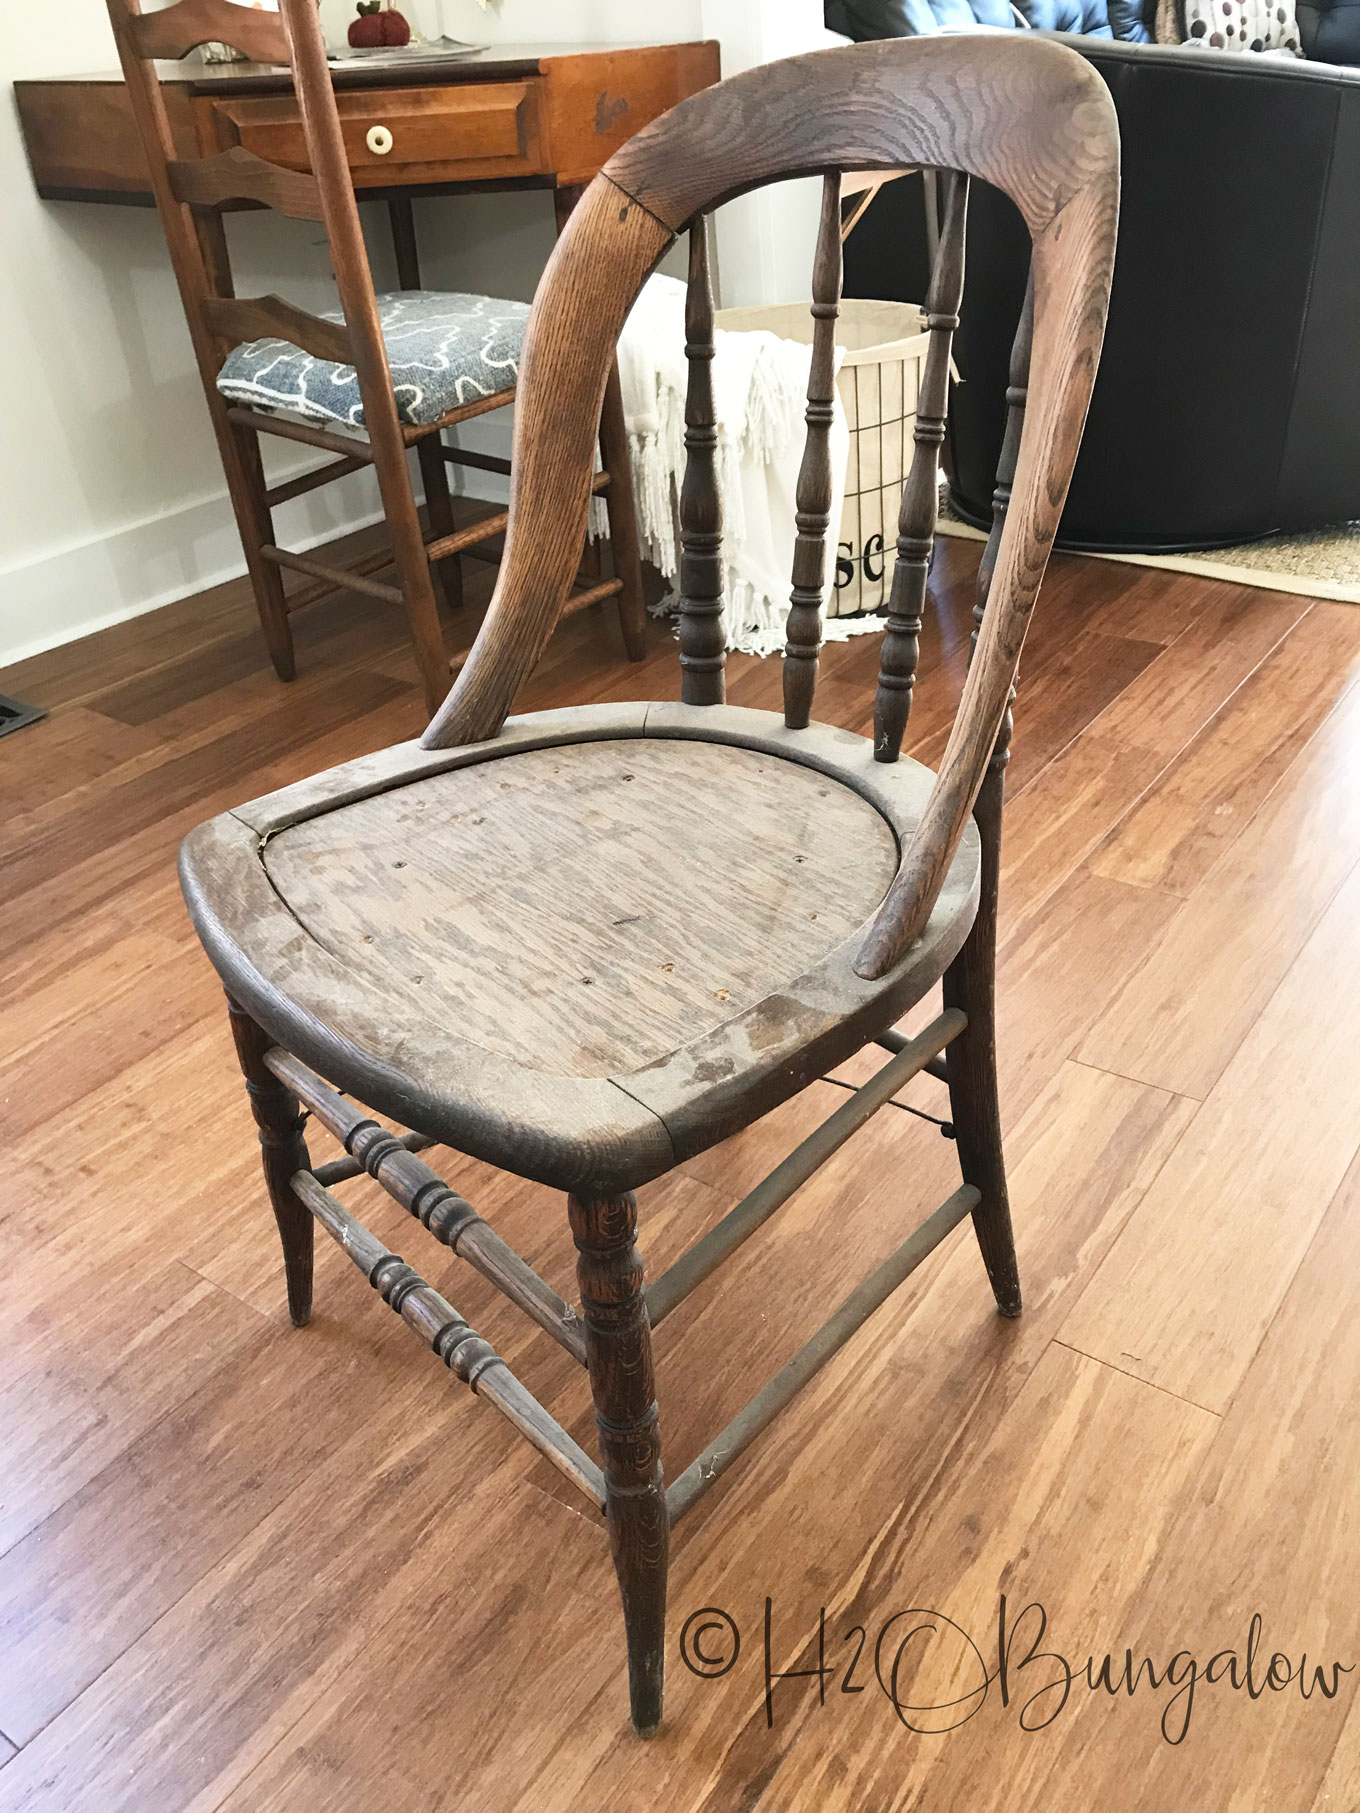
[278, 1115]
[619, 1357]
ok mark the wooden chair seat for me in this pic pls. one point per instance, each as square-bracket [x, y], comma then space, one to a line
[444, 351]
[589, 947]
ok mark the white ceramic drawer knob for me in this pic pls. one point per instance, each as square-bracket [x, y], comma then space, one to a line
[379, 140]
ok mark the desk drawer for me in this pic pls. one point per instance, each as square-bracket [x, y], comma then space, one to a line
[472, 132]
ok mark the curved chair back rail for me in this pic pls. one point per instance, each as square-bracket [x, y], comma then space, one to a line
[1026, 115]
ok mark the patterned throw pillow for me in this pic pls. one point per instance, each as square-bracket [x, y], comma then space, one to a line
[1258, 25]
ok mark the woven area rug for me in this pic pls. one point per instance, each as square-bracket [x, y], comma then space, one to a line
[1324, 563]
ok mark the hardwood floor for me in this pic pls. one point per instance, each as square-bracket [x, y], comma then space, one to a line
[244, 1567]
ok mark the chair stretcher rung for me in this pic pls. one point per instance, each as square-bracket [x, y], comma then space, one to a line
[897, 1041]
[577, 601]
[341, 579]
[349, 446]
[706, 1255]
[371, 562]
[450, 1217]
[313, 480]
[709, 1467]
[459, 1346]
[340, 1170]
[461, 412]
[483, 462]
[483, 529]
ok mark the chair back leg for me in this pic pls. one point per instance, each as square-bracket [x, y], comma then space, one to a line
[621, 510]
[619, 1358]
[434, 474]
[412, 563]
[970, 984]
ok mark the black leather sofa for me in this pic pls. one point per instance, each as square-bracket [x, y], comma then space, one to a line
[1228, 400]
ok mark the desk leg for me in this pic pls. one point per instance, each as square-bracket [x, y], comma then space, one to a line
[434, 474]
[619, 502]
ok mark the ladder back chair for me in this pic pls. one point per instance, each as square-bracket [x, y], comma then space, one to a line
[535, 939]
[363, 382]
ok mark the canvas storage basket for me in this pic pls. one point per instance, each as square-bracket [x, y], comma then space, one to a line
[885, 346]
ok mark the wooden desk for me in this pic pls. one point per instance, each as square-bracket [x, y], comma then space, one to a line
[517, 116]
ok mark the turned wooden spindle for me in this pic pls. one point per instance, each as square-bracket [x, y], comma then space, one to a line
[703, 639]
[449, 1217]
[813, 496]
[921, 494]
[466, 1354]
[279, 1117]
[619, 1357]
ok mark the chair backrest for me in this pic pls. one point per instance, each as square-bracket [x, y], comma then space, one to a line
[190, 193]
[1030, 117]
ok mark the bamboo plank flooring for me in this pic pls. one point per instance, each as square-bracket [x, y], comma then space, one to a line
[247, 1568]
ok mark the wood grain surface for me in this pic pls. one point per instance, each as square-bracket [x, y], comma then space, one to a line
[474, 894]
[245, 1567]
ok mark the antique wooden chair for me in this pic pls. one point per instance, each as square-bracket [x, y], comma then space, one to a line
[540, 941]
[364, 382]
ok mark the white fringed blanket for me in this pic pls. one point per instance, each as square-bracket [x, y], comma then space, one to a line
[760, 394]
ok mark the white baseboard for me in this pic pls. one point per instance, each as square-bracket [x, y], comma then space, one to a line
[87, 585]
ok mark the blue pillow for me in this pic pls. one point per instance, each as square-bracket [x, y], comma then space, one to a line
[1126, 21]
[1086, 16]
[861, 19]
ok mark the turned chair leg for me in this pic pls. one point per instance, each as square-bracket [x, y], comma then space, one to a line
[278, 1115]
[970, 984]
[619, 1356]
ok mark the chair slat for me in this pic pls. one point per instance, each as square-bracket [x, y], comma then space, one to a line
[175, 30]
[240, 320]
[921, 493]
[240, 175]
[703, 639]
[813, 496]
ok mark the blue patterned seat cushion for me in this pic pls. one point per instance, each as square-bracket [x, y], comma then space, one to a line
[444, 350]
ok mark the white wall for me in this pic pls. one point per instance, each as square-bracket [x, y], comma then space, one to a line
[111, 495]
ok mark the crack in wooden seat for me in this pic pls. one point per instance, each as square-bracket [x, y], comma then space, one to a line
[586, 945]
